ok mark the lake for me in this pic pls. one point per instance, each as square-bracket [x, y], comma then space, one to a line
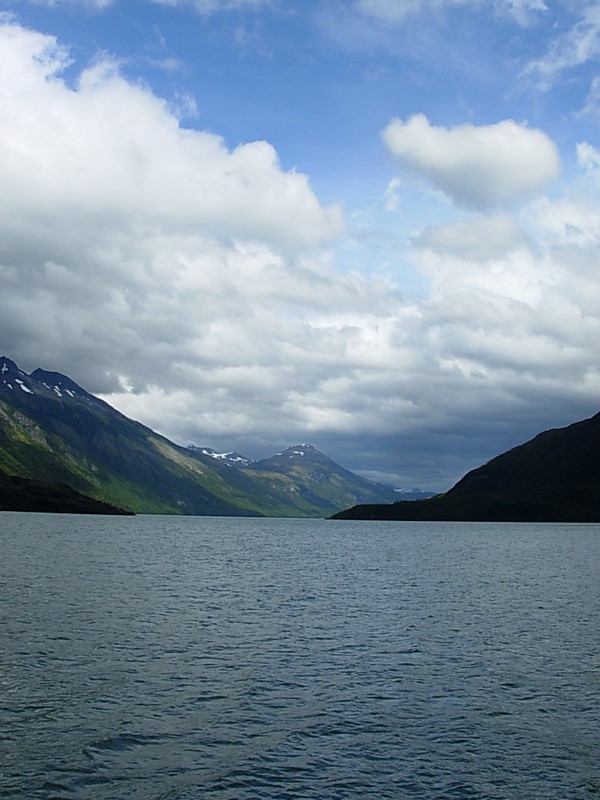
[171, 658]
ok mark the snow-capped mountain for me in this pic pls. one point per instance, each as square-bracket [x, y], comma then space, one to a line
[51, 429]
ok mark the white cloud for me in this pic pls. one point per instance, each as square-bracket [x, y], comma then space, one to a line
[391, 196]
[395, 10]
[588, 157]
[203, 6]
[193, 285]
[592, 101]
[153, 253]
[212, 6]
[570, 50]
[99, 4]
[567, 223]
[388, 10]
[521, 10]
[477, 167]
[113, 145]
[480, 239]
[398, 10]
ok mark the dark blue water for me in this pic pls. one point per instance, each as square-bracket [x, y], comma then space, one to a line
[179, 658]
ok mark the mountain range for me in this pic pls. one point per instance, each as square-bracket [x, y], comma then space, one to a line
[77, 447]
[554, 477]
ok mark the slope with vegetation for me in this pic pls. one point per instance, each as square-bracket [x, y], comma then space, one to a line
[53, 431]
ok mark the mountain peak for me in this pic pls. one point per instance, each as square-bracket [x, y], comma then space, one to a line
[41, 384]
[7, 366]
[297, 454]
[57, 382]
[300, 450]
[53, 430]
[12, 378]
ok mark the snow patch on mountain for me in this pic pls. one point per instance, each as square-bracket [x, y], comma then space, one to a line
[231, 458]
[26, 389]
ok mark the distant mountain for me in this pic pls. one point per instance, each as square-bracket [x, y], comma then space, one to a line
[309, 468]
[314, 479]
[554, 477]
[54, 431]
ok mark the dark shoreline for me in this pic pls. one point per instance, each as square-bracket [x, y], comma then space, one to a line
[25, 494]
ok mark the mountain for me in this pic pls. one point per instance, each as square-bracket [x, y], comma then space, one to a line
[54, 431]
[315, 479]
[554, 477]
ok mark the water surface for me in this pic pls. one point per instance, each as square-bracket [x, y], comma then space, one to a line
[176, 658]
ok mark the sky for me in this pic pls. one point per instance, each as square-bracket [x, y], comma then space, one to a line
[369, 225]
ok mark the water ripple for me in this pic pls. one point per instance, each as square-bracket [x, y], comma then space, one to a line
[172, 659]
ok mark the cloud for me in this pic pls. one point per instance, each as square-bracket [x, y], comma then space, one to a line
[118, 225]
[388, 10]
[196, 287]
[480, 239]
[476, 167]
[589, 158]
[592, 101]
[213, 6]
[203, 6]
[522, 11]
[98, 4]
[397, 10]
[157, 259]
[570, 50]
[112, 145]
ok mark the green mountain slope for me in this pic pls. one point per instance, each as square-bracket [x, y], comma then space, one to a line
[313, 481]
[53, 430]
[553, 477]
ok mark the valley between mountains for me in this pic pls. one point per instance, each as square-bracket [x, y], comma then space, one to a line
[554, 477]
[73, 444]
[62, 449]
